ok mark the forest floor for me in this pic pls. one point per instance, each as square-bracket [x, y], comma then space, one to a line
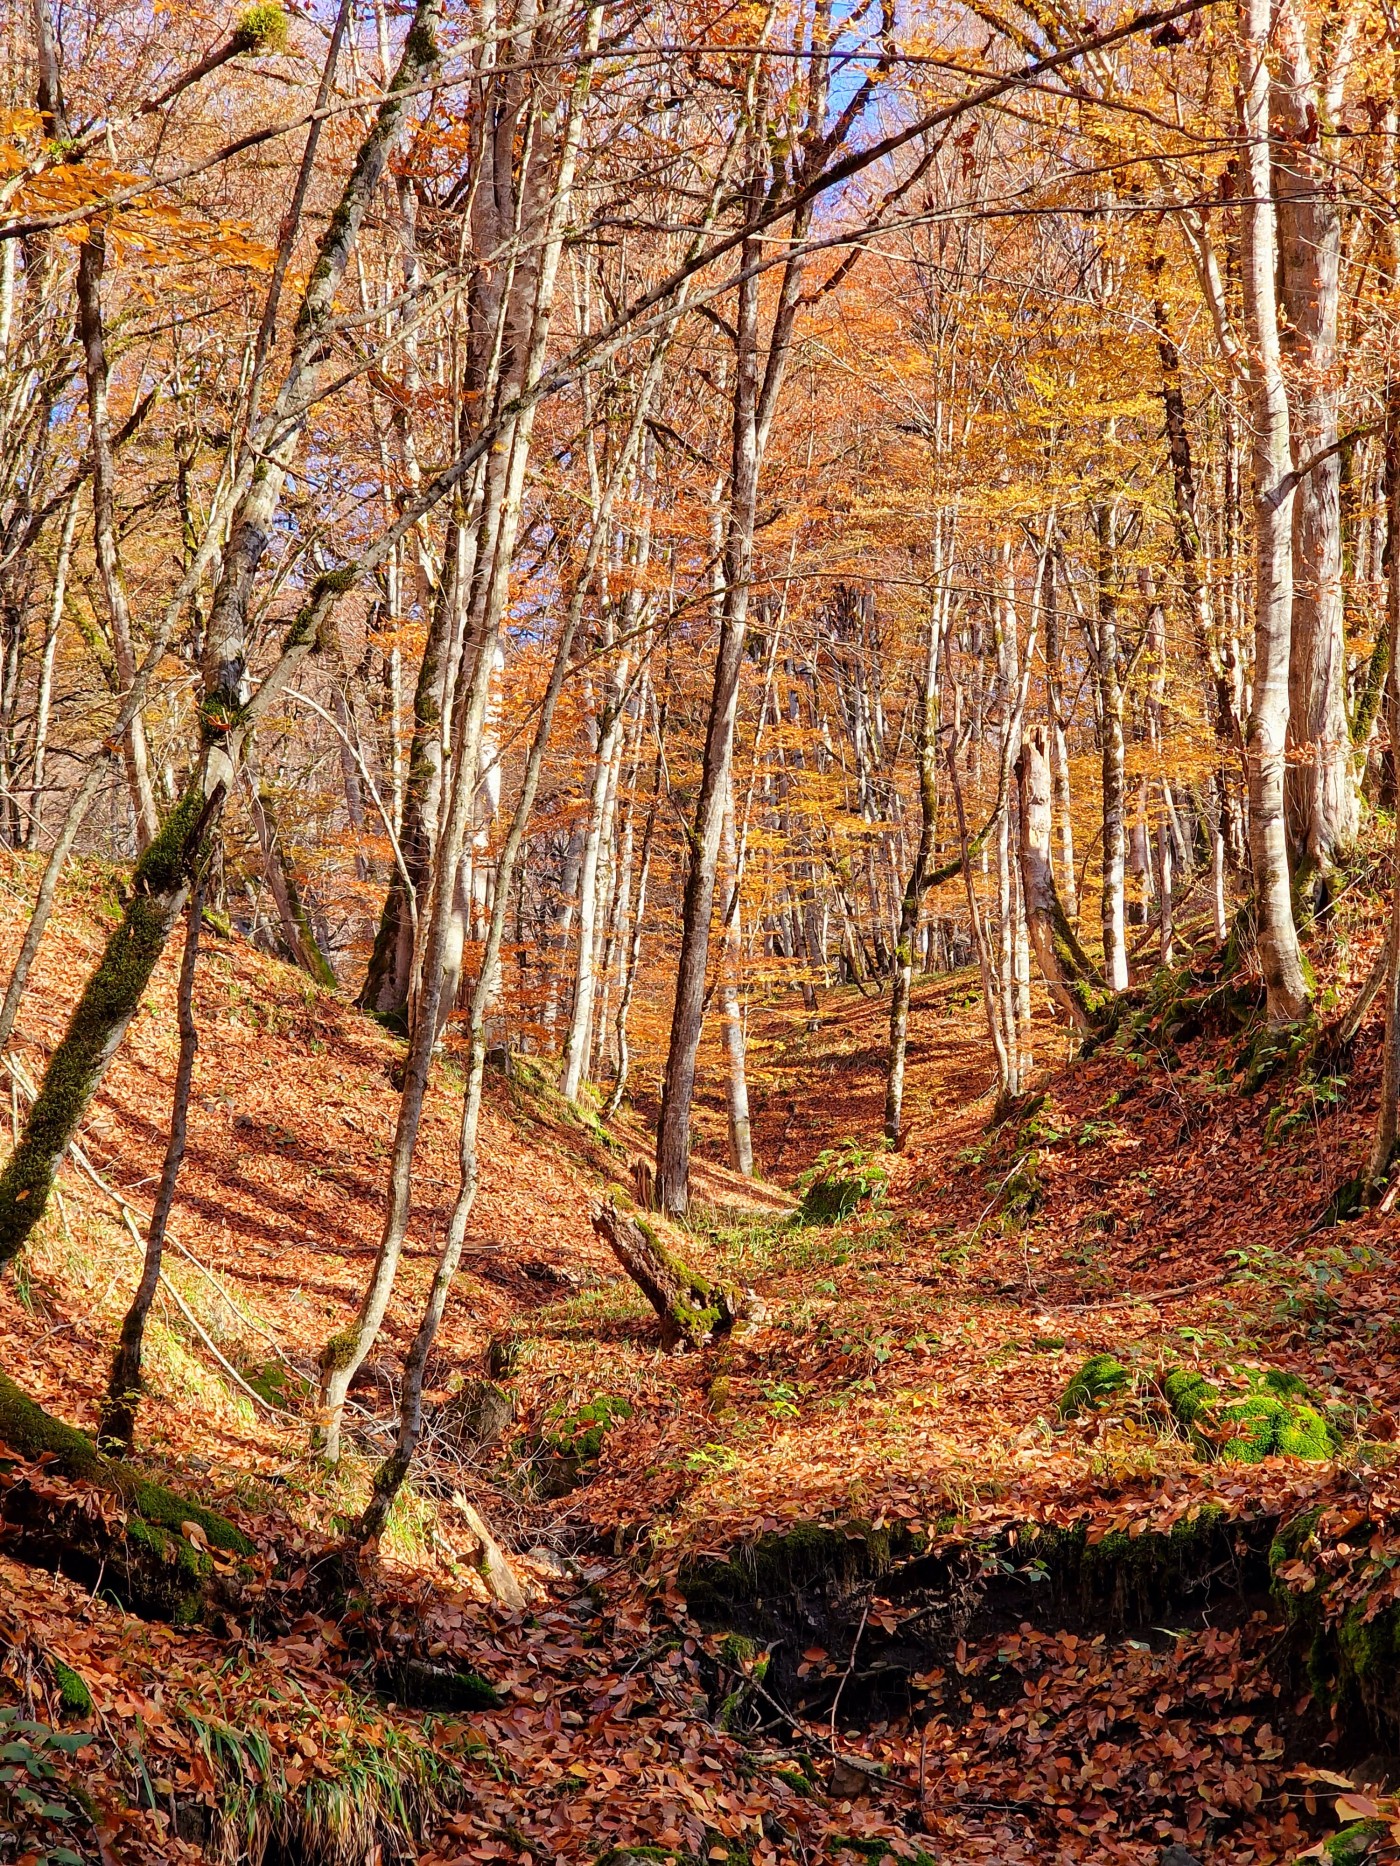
[844, 1585]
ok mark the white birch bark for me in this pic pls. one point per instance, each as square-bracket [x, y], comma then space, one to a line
[1273, 536]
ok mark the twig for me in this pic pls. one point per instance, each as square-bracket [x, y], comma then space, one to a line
[197, 1326]
[80, 1159]
[850, 1667]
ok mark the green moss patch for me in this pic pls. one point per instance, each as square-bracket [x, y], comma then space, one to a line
[1102, 1377]
[1354, 1843]
[73, 1693]
[1276, 1417]
[580, 1433]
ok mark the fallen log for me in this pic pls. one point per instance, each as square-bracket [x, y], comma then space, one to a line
[67, 1507]
[693, 1309]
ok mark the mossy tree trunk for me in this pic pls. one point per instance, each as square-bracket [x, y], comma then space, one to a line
[692, 1308]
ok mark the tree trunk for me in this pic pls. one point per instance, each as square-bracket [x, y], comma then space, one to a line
[1115, 946]
[1387, 1132]
[578, 1042]
[117, 1425]
[500, 518]
[632, 960]
[1279, 952]
[388, 978]
[1059, 748]
[1320, 790]
[697, 913]
[915, 888]
[136, 756]
[298, 934]
[979, 940]
[34, 829]
[740, 1131]
[1074, 983]
[160, 881]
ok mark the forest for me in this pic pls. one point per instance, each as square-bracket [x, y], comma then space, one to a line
[699, 932]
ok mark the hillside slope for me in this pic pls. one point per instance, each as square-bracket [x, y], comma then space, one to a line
[844, 1583]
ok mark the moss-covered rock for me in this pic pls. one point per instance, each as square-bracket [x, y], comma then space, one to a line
[1368, 1665]
[1188, 1394]
[778, 1566]
[1102, 1377]
[843, 1179]
[716, 1850]
[28, 1429]
[1276, 1417]
[1264, 1425]
[876, 1850]
[1354, 1844]
[565, 1454]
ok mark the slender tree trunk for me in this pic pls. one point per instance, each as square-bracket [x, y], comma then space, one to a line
[117, 1425]
[35, 828]
[632, 963]
[350, 777]
[577, 1043]
[1072, 980]
[1059, 747]
[916, 886]
[392, 1472]
[298, 934]
[979, 942]
[501, 506]
[1387, 1132]
[1273, 538]
[697, 913]
[1165, 881]
[135, 753]
[740, 1130]
[1115, 946]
